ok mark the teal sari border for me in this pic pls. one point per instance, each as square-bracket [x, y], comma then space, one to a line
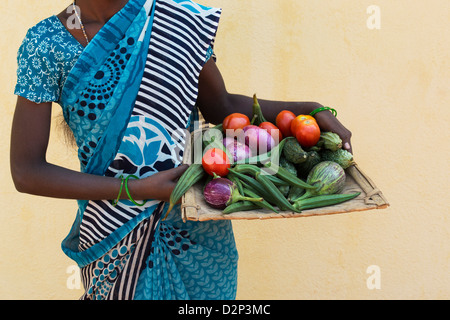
[84, 258]
[112, 31]
[99, 47]
[112, 137]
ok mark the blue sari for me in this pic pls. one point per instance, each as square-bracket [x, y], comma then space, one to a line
[130, 100]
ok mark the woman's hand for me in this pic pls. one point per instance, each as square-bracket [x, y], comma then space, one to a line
[328, 122]
[216, 103]
[32, 174]
[158, 186]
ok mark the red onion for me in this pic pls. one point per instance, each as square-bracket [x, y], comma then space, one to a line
[258, 139]
[238, 151]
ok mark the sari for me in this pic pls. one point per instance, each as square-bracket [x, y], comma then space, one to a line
[130, 101]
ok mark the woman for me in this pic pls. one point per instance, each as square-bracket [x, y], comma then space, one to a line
[129, 81]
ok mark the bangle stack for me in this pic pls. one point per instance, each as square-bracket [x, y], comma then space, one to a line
[333, 111]
[124, 183]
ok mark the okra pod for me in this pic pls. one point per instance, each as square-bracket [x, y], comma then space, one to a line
[263, 204]
[191, 176]
[240, 206]
[324, 200]
[253, 170]
[285, 175]
[255, 185]
[258, 116]
[295, 193]
[237, 182]
[281, 201]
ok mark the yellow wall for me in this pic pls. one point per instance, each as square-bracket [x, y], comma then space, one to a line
[390, 87]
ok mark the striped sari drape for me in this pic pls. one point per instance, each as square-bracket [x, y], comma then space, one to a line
[145, 64]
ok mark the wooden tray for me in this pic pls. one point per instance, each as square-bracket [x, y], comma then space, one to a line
[194, 207]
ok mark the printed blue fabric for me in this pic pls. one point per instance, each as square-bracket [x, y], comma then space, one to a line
[45, 58]
[190, 260]
[129, 97]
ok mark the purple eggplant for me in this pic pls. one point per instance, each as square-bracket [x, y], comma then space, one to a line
[221, 192]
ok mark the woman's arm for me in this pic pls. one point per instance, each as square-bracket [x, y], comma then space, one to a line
[32, 173]
[216, 103]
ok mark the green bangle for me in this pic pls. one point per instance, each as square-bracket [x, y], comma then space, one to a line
[115, 202]
[333, 111]
[128, 191]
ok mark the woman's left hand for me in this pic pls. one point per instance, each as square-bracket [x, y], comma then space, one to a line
[216, 103]
[328, 122]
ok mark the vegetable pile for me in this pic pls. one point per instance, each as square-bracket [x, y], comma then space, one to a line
[254, 164]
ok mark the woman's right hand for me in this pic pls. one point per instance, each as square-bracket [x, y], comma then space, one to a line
[159, 186]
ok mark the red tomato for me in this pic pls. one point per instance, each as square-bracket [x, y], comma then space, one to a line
[298, 120]
[216, 161]
[307, 133]
[235, 121]
[283, 122]
[272, 130]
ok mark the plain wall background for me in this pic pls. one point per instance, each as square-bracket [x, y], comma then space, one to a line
[391, 89]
